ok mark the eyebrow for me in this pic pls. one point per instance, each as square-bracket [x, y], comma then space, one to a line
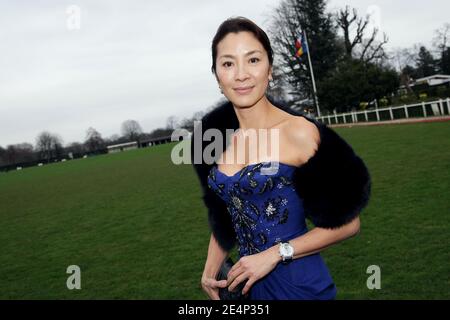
[247, 54]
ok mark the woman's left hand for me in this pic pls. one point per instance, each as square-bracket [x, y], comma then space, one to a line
[253, 268]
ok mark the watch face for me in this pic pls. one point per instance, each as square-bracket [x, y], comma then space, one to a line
[290, 250]
[286, 249]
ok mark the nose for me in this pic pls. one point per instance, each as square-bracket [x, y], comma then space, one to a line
[241, 73]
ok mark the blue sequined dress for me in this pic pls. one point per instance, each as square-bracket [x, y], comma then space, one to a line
[266, 209]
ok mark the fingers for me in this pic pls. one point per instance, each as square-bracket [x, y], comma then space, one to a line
[233, 274]
[212, 283]
[238, 280]
[234, 267]
[214, 295]
[248, 285]
[219, 284]
[211, 287]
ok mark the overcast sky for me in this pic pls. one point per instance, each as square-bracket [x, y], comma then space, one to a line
[141, 60]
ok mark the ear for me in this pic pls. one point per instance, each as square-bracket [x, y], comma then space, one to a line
[270, 72]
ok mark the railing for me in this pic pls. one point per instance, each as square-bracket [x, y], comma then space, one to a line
[439, 107]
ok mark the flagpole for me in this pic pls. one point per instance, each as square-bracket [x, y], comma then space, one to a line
[316, 100]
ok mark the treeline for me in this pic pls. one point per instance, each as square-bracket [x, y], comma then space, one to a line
[49, 147]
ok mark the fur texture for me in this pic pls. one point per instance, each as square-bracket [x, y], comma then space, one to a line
[334, 183]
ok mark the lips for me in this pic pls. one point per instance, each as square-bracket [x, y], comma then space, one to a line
[244, 90]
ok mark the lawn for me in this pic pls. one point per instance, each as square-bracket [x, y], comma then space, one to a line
[135, 225]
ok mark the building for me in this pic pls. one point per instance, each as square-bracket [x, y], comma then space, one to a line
[434, 80]
[427, 83]
[122, 147]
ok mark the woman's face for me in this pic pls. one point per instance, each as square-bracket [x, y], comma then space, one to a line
[242, 68]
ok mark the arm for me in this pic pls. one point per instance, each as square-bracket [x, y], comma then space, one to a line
[215, 258]
[255, 267]
[318, 239]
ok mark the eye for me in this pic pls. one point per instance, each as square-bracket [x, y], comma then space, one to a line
[225, 64]
[253, 59]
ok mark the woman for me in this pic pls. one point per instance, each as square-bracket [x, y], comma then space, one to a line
[317, 176]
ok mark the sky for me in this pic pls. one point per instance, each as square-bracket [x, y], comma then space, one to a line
[66, 66]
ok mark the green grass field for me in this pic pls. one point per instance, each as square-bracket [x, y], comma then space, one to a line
[135, 224]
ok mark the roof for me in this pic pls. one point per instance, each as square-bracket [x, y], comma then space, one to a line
[433, 80]
[122, 144]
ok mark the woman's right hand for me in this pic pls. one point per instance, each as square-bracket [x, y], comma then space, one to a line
[211, 286]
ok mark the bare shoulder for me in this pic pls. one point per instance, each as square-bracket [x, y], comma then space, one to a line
[303, 135]
[302, 129]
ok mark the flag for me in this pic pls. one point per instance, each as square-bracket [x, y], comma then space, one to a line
[300, 46]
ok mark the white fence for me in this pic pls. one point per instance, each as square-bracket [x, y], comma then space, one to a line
[439, 107]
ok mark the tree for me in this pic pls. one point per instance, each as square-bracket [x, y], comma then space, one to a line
[17, 153]
[132, 130]
[114, 137]
[49, 145]
[94, 141]
[2, 156]
[11, 154]
[401, 58]
[369, 48]
[444, 62]
[277, 87]
[407, 75]
[441, 39]
[172, 122]
[160, 133]
[441, 42]
[24, 152]
[355, 81]
[426, 64]
[185, 123]
[289, 19]
[77, 149]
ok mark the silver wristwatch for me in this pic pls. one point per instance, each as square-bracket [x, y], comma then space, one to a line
[286, 252]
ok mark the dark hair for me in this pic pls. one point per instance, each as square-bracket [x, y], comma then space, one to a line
[236, 25]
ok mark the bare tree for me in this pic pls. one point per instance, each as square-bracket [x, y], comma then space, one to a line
[198, 115]
[289, 20]
[441, 39]
[49, 145]
[131, 129]
[403, 60]
[94, 141]
[187, 123]
[17, 153]
[114, 137]
[441, 42]
[44, 144]
[172, 122]
[24, 152]
[11, 154]
[284, 31]
[366, 49]
[76, 148]
[402, 57]
[2, 156]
